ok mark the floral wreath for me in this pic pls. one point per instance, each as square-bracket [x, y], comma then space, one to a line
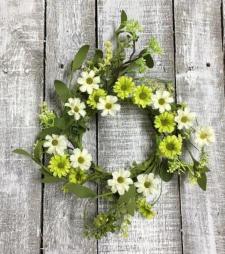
[107, 79]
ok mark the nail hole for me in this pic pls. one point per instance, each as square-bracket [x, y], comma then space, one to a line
[208, 64]
[61, 66]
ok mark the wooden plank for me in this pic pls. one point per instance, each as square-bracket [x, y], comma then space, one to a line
[126, 137]
[199, 64]
[21, 68]
[69, 24]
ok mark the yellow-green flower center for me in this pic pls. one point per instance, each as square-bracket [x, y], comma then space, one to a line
[170, 146]
[61, 165]
[161, 101]
[120, 179]
[124, 87]
[164, 122]
[108, 105]
[203, 135]
[80, 159]
[55, 142]
[184, 119]
[89, 81]
[142, 95]
[76, 109]
[147, 184]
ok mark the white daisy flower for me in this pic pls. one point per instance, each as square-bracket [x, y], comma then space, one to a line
[205, 136]
[147, 184]
[81, 159]
[108, 105]
[120, 181]
[56, 144]
[88, 82]
[161, 100]
[184, 118]
[76, 108]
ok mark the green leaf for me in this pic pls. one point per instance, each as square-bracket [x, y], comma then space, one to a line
[143, 52]
[128, 195]
[22, 152]
[164, 175]
[98, 55]
[202, 181]
[50, 179]
[60, 123]
[123, 17]
[38, 150]
[44, 171]
[49, 131]
[80, 191]
[62, 91]
[149, 60]
[80, 57]
[131, 206]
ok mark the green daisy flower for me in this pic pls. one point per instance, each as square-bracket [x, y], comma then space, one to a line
[165, 122]
[142, 96]
[77, 176]
[124, 87]
[93, 99]
[170, 146]
[145, 209]
[59, 165]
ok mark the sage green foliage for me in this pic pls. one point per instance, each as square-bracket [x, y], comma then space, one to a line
[110, 64]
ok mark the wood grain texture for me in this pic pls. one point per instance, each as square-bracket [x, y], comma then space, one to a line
[199, 64]
[127, 137]
[21, 68]
[70, 24]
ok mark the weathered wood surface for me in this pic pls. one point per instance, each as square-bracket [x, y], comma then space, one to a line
[70, 24]
[127, 137]
[54, 223]
[199, 65]
[21, 68]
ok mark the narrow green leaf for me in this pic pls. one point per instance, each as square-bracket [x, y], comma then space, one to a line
[202, 181]
[38, 150]
[149, 60]
[98, 55]
[164, 175]
[123, 16]
[128, 195]
[143, 52]
[50, 179]
[80, 191]
[22, 152]
[131, 205]
[62, 91]
[80, 57]
[44, 171]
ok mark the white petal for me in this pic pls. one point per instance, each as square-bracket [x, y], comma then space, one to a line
[91, 74]
[83, 88]
[84, 74]
[81, 81]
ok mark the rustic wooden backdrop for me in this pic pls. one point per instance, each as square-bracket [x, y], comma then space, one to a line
[37, 40]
